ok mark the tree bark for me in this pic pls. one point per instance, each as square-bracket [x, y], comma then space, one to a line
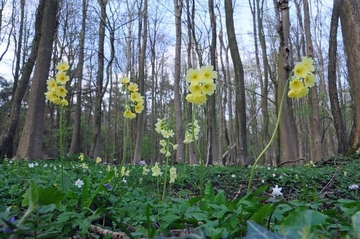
[31, 142]
[142, 57]
[315, 135]
[333, 92]
[240, 107]
[6, 138]
[214, 156]
[75, 146]
[287, 131]
[180, 154]
[96, 147]
[350, 26]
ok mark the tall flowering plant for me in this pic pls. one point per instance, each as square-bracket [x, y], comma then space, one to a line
[201, 84]
[163, 128]
[135, 101]
[300, 80]
[134, 104]
[56, 93]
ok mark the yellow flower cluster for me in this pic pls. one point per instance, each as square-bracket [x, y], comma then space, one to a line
[136, 99]
[173, 175]
[56, 86]
[145, 170]
[188, 133]
[81, 157]
[201, 84]
[98, 160]
[162, 128]
[303, 78]
[156, 171]
[124, 172]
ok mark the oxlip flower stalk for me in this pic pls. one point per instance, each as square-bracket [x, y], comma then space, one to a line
[271, 139]
[61, 149]
[57, 94]
[202, 166]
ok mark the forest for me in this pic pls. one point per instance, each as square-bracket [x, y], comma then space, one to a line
[253, 46]
[179, 119]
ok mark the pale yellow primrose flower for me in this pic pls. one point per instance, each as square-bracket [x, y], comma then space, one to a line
[163, 151]
[98, 160]
[300, 70]
[62, 66]
[130, 115]
[139, 108]
[193, 76]
[172, 170]
[208, 88]
[208, 73]
[303, 78]
[201, 84]
[51, 84]
[296, 85]
[308, 63]
[156, 171]
[56, 91]
[310, 80]
[124, 80]
[162, 142]
[145, 170]
[64, 102]
[173, 175]
[133, 87]
[135, 96]
[62, 78]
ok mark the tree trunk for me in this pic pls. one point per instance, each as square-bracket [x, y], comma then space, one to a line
[315, 135]
[31, 142]
[76, 134]
[333, 92]
[350, 26]
[142, 56]
[96, 150]
[241, 147]
[6, 138]
[288, 144]
[179, 132]
[264, 90]
[211, 103]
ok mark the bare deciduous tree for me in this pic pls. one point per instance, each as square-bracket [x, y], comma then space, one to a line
[31, 142]
[240, 107]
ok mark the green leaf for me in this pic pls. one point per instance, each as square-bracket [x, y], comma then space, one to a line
[198, 215]
[100, 186]
[49, 195]
[184, 193]
[261, 216]
[301, 217]
[257, 232]
[220, 198]
[356, 224]
[85, 190]
[168, 219]
[33, 196]
[39, 196]
[209, 193]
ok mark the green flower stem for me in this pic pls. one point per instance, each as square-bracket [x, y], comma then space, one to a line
[125, 143]
[272, 137]
[61, 148]
[165, 178]
[199, 153]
